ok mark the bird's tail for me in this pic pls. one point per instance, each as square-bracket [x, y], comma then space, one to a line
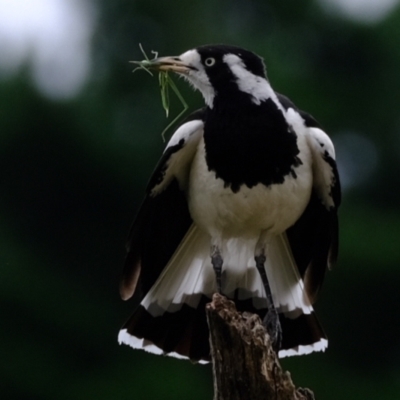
[171, 317]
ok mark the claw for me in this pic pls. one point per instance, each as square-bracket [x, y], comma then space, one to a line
[217, 261]
[273, 326]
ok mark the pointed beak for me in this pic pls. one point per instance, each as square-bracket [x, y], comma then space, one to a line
[173, 64]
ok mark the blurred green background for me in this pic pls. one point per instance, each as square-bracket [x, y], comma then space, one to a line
[79, 136]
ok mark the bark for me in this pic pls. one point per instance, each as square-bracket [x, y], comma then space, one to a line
[245, 367]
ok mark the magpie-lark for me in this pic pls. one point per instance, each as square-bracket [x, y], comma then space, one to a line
[243, 202]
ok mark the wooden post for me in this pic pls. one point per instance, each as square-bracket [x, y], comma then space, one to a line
[245, 367]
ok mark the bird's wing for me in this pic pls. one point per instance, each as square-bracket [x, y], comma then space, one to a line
[314, 237]
[163, 218]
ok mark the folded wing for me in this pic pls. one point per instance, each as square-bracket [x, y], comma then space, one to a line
[314, 237]
[164, 217]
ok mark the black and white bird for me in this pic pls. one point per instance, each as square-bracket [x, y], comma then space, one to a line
[243, 202]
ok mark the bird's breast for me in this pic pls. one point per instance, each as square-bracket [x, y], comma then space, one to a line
[250, 145]
[222, 211]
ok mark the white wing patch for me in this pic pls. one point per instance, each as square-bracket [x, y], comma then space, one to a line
[187, 136]
[324, 179]
[322, 151]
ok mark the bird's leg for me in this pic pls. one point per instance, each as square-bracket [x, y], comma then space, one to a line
[216, 261]
[271, 319]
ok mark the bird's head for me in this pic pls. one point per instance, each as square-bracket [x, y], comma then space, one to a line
[220, 71]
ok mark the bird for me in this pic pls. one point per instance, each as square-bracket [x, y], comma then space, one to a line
[243, 202]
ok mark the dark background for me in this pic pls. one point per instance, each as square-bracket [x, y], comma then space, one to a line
[74, 161]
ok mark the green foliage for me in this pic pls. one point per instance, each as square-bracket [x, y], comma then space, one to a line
[73, 174]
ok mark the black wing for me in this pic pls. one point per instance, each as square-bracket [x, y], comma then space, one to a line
[163, 218]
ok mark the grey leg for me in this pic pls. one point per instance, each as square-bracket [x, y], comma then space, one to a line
[271, 319]
[216, 261]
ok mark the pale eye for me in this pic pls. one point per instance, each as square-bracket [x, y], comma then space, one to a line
[209, 62]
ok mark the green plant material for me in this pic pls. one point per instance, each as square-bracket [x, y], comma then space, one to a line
[165, 83]
[164, 88]
[169, 83]
[146, 63]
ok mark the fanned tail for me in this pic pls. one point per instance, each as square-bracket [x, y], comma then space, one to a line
[171, 317]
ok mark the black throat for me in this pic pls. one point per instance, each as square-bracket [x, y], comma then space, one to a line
[248, 144]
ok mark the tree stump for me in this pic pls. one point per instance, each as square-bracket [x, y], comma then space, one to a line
[245, 367]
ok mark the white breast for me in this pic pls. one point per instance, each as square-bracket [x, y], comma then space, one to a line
[225, 214]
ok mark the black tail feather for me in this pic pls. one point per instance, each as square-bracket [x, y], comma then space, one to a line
[185, 332]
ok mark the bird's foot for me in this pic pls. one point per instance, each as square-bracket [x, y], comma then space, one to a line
[217, 261]
[273, 326]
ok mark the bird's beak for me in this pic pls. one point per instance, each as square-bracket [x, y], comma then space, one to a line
[167, 64]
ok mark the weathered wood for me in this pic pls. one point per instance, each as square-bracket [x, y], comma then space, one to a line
[245, 367]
